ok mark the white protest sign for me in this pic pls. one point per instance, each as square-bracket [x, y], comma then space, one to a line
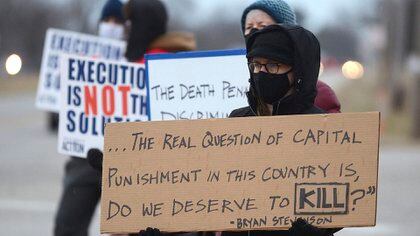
[197, 85]
[68, 42]
[96, 92]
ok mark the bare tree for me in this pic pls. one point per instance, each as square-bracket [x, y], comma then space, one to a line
[23, 25]
[220, 30]
[339, 42]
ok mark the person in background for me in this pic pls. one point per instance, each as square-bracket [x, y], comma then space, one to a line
[263, 13]
[111, 25]
[148, 34]
[112, 22]
[82, 183]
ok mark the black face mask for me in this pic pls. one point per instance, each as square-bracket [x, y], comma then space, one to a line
[271, 87]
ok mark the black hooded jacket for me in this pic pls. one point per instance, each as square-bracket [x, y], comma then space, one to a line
[306, 69]
[148, 22]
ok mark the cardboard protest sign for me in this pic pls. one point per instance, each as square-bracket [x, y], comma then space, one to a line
[68, 42]
[241, 173]
[197, 85]
[96, 92]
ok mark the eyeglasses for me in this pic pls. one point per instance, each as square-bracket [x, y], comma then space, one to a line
[272, 68]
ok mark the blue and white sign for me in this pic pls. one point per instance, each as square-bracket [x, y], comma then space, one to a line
[96, 92]
[58, 42]
[196, 85]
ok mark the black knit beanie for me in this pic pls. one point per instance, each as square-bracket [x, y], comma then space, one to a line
[273, 43]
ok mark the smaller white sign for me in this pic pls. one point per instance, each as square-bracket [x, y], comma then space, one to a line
[414, 64]
[197, 85]
[96, 92]
[58, 42]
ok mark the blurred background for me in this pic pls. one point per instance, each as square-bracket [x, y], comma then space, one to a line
[370, 57]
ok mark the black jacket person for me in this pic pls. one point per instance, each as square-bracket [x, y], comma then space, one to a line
[284, 64]
[148, 34]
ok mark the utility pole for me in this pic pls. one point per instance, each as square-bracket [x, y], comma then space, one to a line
[401, 18]
[394, 53]
[414, 52]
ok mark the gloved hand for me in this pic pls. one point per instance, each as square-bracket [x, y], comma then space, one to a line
[302, 228]
[95, 158]
[150, 232]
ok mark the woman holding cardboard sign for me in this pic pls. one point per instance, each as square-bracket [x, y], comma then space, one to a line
[283, 63]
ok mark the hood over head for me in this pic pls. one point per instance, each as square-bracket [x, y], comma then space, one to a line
[306, 62]
[275, 45]
[148, 21]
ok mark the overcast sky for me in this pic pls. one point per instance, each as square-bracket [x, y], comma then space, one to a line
[318, 12]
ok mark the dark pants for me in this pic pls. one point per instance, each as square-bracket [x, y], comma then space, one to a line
[81, 193]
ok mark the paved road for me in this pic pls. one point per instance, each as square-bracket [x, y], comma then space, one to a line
[31, 173]
[31, 170]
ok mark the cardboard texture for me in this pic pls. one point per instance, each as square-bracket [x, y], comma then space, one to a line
[241, 173]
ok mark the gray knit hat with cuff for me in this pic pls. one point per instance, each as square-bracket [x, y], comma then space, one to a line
[279, 10]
